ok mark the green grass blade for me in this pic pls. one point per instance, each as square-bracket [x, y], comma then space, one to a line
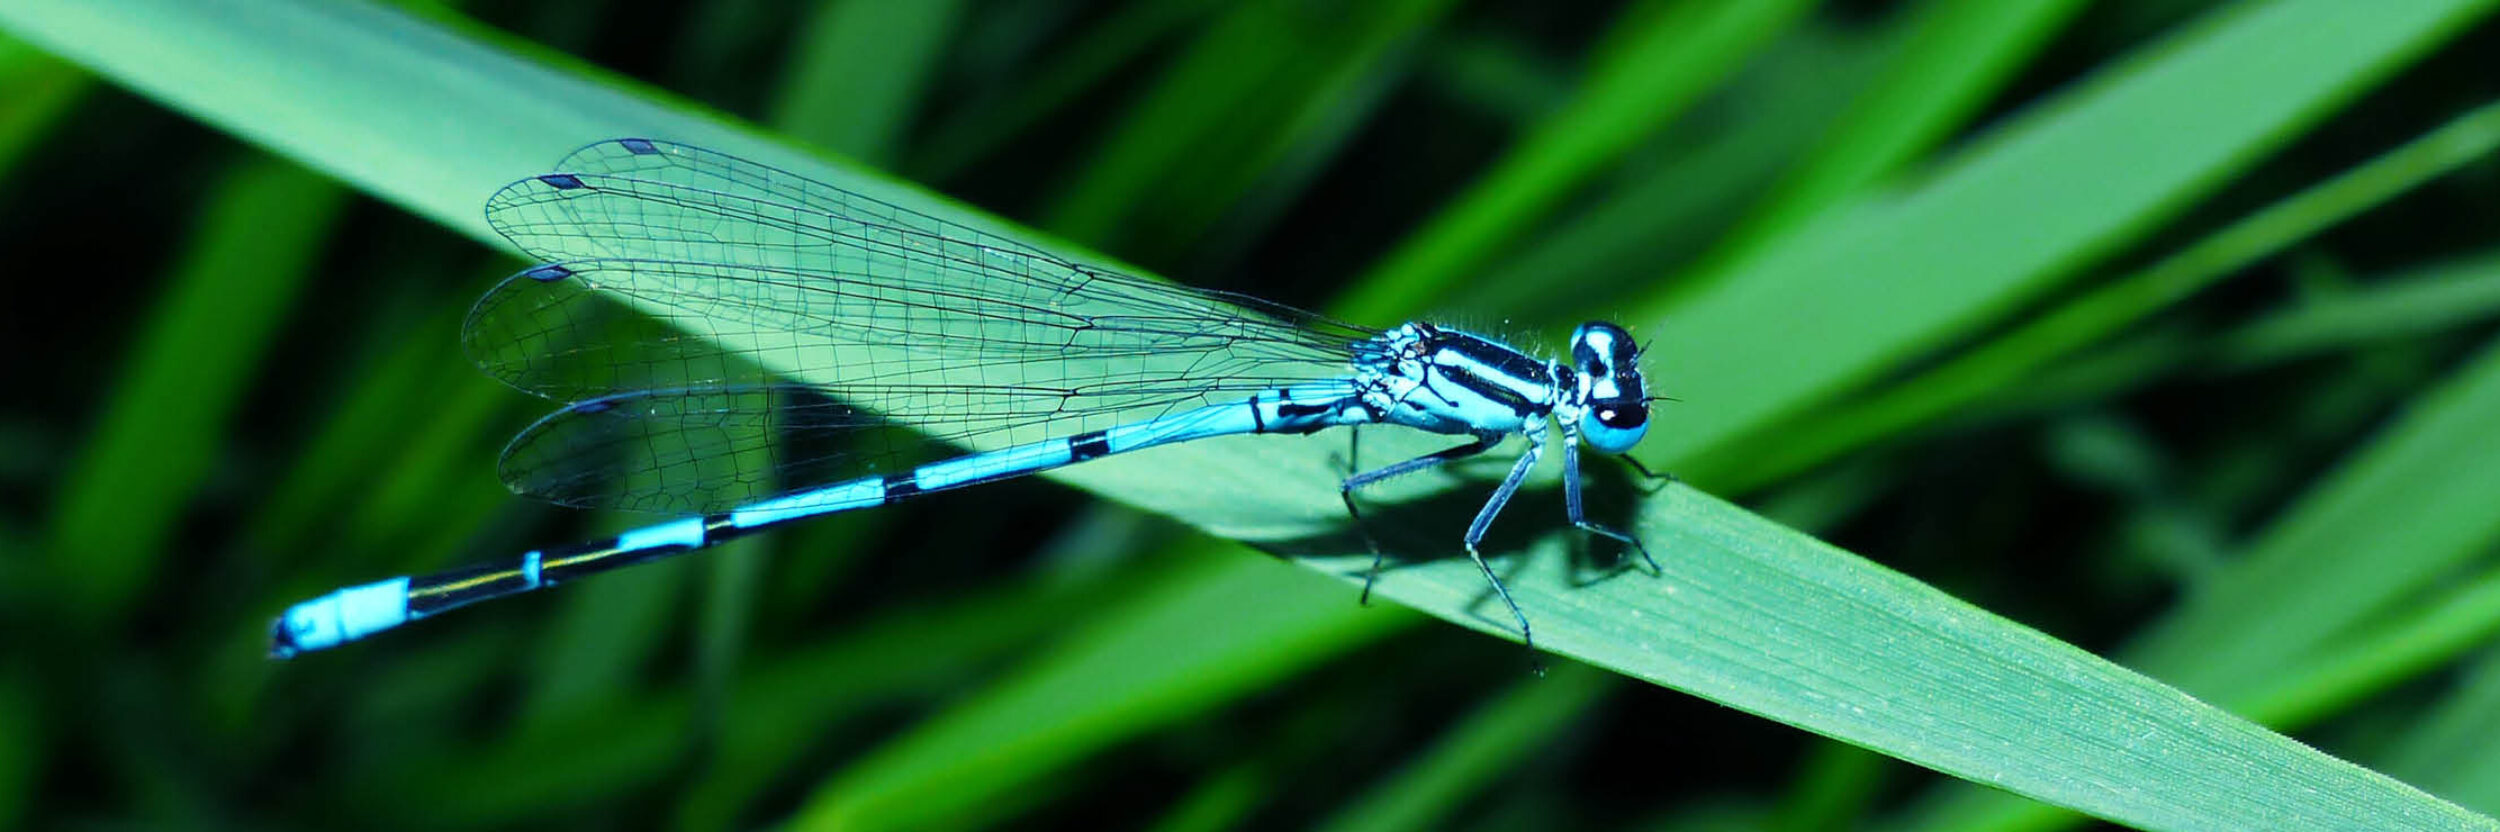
[1148, 662]
[1676, 207]
[2419, 302]
[1860, 290]
[372, 413]
[1767, 620]
[2422, 637]
[360, 91]
[469, 419]
[1248, 196]
[860, 71]
[1957, 54]
[1216, 805]
[2382, 310]
[2404, 499]
[394, 389]
[1839, 783]
[196, 354]
[2262, 633]
[2449, 749]
[985, 123]
[1475, 754]
[36, 90]
[781, 707]
[2005, 361]
[603, 638]
[1232, 108]
[1494, 74]
[786, 708]
[1658, 67]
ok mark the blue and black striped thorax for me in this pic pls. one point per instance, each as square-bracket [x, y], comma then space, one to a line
[1455, 382]
[1448, 381]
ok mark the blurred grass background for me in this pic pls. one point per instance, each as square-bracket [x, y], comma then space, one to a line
[2233, 432]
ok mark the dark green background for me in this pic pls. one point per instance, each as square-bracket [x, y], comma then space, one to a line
[236, 383]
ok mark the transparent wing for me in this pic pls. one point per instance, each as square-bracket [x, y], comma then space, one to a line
[776, 296]
[709, 449]
[681, 451]
[686, 166]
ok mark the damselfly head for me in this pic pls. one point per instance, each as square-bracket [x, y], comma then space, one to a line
[1615, 415]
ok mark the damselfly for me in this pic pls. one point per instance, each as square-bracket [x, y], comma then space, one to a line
[803, 320]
